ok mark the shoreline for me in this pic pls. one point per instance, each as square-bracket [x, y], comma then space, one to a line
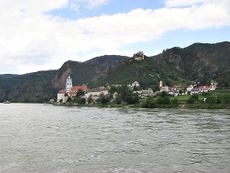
[179, 106]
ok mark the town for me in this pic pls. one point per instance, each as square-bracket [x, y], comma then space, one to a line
[83, 94]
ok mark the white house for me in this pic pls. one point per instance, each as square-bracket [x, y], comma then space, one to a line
[164, 89]
[134, 84]
[213, 86]
[96, 92]
[61, 96]
[148, 92]
[189, 88]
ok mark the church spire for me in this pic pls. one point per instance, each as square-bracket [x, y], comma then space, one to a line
[69, 84]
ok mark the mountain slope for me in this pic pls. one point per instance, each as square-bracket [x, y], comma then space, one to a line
[41, 86]
[198, 62]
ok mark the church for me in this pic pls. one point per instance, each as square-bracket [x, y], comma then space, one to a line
[69, 91]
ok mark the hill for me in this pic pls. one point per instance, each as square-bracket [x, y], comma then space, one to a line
[198, 62]
[43, 85]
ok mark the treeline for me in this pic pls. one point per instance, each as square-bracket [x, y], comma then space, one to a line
[124, 95]
[117, 95]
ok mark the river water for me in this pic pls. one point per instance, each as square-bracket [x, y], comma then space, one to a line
[36, 138]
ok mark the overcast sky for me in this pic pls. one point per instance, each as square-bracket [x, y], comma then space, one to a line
[43, 34]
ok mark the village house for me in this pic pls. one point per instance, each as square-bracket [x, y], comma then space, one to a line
[203, 89]
[195, 90]
[147, 93]
[213, 86]
[189, 88]
[96, 92]
[134, 84]
[163, 88]
[175, 90]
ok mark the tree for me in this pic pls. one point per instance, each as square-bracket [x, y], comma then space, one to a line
[163, 100]
[104, 99]
[149, 103]
[69, 100]
[79, 100]
[118, 99]
[80, 93]
[113, 89]
[90, 99]
[193, 99]
[127, 95]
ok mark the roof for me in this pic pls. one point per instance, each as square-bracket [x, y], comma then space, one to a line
[97, 90]
[82, 87]
[61, 92]
[203, 87]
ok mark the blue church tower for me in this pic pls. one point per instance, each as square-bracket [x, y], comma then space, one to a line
[68, 84]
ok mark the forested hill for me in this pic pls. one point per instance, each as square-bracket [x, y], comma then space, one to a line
[43, 85]
[198, 62]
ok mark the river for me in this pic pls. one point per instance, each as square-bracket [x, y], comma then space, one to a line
[37, 138]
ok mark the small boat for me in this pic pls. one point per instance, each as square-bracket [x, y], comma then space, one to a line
[6, 102]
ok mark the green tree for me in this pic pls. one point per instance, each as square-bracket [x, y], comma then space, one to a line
[104, 99]
[80, 93]
[79, 100]
[127, 95]
[193, 99]
[113, 89]
[69, 100]
[163, 100]
[174, 101]
[149, 103]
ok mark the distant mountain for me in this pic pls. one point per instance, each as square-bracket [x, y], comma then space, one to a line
[198, 62]
[43, 85]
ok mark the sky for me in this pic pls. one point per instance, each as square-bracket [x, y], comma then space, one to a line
[42, 34]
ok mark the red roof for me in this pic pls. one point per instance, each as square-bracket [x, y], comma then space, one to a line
[76, 88]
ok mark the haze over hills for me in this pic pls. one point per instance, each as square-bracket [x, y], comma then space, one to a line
[198, 62]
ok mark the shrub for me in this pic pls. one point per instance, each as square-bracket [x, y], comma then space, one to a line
[149, 103]
[193, 99]
[163, 100]
[103, 99]
[174, 101]
[211, 100]
[79, 100]
[80, 93]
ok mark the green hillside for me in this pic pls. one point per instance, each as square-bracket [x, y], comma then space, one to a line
[198, 62]
[41, 86]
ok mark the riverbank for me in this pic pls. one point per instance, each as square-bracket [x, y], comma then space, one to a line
[177, 106]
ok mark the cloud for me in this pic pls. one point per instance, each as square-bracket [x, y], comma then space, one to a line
[31, 39]
[75, 5]
[183, 3]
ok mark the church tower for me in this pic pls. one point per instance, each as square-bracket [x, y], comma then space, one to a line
[68, 84]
